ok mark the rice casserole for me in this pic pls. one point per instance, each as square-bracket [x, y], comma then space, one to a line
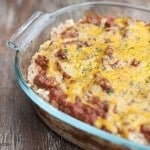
[97, 70]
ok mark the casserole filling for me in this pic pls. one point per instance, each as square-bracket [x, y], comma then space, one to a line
[98, 70]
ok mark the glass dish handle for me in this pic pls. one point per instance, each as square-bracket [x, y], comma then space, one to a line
[29, 30]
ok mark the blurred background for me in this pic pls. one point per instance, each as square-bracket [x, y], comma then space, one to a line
[20, 128]
[13, 13]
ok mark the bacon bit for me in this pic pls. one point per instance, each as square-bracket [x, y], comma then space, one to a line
[57, 94]
[101, 106]
[105, 84]
[145, 129]
[109, 51]
[61, 54]
[69, 33]
[65, 75]
[42, 81]
[83, 44]
[96, 101]
[91, 17]
[58, 66]
[135, 63]
[109, 21]
[114, 64]
[42, 61]
[41, 70]
[79, 43]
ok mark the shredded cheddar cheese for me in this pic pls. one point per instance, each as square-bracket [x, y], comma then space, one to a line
[126, 67]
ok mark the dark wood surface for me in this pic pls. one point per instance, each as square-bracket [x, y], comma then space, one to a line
[20, 127]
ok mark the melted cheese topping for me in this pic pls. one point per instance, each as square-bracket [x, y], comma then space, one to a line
[131, 84]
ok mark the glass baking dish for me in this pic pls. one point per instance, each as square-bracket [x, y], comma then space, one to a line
[26, 42]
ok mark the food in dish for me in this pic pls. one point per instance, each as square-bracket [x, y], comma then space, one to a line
[98, 70]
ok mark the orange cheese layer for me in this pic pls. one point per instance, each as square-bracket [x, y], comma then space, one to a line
[131, 84]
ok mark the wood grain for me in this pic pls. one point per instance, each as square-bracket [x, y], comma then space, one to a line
[20, 127]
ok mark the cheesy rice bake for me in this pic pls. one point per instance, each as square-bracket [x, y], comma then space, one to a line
[98, 70]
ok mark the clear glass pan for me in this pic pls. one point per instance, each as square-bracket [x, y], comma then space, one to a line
[37, 30]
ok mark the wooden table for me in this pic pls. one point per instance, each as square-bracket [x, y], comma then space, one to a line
[20, 127]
